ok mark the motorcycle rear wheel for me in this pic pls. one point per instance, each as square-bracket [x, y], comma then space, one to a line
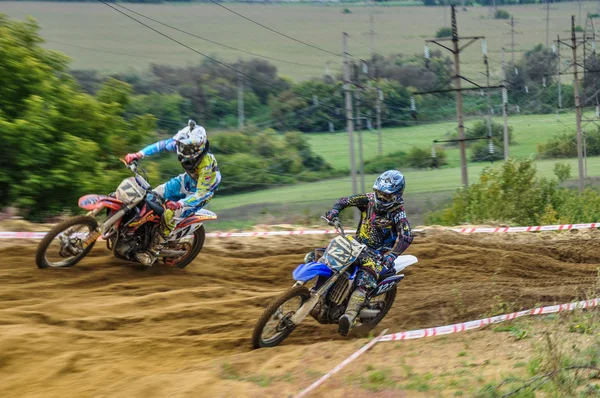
[368, 324]
[276, 313]
[41, 255]
[196, 247]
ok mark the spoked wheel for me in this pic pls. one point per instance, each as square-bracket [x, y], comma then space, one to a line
[67, 243]
[275, 325]
[190, 247]
[383, 303]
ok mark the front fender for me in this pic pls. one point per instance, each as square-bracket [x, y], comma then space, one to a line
[307, 271]
[94, 202]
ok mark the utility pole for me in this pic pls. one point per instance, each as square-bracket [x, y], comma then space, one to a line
[378, 109]
[512, 32]
[585, 169]
[240, 79]
[361, 168]
[372, 35]
[349, 118]
[489, 102]
[505, 109]
[577, 105]
[459, 100]
[456, 50]
[558, 66]
[547, 23]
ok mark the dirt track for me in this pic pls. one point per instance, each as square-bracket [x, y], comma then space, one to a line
[104, 328]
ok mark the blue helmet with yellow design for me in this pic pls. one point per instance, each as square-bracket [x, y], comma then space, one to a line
[389, 188]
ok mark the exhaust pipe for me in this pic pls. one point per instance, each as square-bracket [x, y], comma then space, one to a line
[172, 253]
[367, 313]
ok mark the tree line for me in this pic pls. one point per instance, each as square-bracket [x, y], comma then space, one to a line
[63, 131]
[60, 142]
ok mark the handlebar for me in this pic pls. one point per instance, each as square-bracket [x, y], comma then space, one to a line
[337, 225]
[133, 166]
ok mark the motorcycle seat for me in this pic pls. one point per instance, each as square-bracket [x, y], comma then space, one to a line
[154, 204]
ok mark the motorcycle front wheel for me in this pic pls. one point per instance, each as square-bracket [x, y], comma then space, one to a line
[65, 245]
[275, 325]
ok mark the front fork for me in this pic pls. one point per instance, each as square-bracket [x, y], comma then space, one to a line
[314, 299]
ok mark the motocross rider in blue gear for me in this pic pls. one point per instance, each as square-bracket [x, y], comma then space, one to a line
[383, 227]
[188, 192]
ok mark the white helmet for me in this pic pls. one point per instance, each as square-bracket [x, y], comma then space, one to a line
[192, 145]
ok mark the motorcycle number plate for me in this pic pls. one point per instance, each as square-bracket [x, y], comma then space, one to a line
[338, 253]
[129, 191]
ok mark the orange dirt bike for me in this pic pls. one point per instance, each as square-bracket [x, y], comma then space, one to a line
[131, 217]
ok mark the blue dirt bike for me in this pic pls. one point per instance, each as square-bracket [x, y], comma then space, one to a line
[334, 277]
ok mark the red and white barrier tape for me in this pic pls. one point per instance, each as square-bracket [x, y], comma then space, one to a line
[21, 235]
[539, 228]
[449, 329]
[461, 327]
[273, 233]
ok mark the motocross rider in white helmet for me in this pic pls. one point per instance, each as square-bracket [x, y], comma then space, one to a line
[188, 192]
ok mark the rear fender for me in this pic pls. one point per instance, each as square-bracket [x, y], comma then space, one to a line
[307, 271]
[386, 285]
[404, 261]
[198, 217]
[95, 202]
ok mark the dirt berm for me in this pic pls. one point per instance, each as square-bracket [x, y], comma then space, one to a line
[104, 328]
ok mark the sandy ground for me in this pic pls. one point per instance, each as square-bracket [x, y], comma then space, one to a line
[104, 328]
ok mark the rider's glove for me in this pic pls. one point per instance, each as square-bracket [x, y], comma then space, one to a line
[173, 205]
[388, 260]
[130, 157]
[332, 215]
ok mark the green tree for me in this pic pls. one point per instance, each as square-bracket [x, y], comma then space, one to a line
[509, 193]
[565, 145]
[421, 158]
[257, 159]
[502, 14]
[444, 31]
[59, 142]
[169, 109]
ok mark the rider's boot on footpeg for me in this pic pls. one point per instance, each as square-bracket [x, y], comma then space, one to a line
[148, 258]
[356, 302]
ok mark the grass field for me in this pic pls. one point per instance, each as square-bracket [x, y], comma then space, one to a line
[418, 181]
[127, 45]
[528, 132]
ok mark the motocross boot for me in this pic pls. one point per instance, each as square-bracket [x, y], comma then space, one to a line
[346, 322]
[158, 241]
[149, 257]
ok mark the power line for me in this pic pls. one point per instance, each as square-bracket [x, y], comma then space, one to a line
[202, 54]
[275, 31]
[98, 50]
[366, 45]
[216, 42]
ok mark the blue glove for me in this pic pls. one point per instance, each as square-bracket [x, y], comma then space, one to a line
[388, 260]
[332, 215]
